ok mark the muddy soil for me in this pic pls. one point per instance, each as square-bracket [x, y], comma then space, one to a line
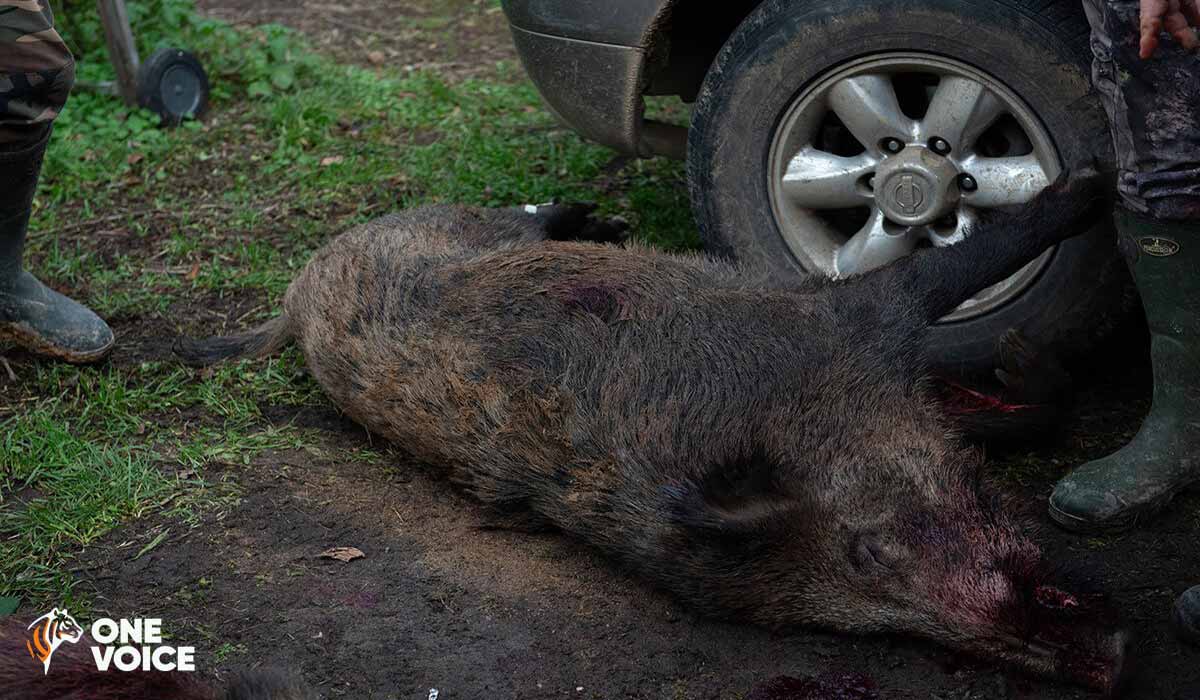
[462, 38]
[443, 601]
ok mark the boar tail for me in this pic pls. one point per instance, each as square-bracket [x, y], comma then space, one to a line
[267, 339]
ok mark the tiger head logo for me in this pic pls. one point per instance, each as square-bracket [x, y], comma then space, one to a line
[49, 632]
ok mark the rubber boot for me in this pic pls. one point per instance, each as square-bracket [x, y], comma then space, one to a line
[32, 315]
[1114, 492]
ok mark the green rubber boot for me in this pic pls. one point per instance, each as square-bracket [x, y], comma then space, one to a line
[1114, 492]
[32, 315]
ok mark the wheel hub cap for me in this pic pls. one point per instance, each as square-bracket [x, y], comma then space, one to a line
[916, 186]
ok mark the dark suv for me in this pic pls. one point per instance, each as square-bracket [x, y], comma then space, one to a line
[833, 137]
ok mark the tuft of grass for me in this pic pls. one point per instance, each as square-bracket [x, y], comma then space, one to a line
[228, 649]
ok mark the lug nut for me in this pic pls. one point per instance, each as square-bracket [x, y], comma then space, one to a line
[966, 183]
[893, 145]
[940, 146]
[871, 183]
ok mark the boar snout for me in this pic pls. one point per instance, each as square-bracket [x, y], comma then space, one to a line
[1052, 627]
[1078, 634]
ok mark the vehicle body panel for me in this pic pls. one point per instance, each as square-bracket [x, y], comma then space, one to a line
[627, 23]
[589, 61]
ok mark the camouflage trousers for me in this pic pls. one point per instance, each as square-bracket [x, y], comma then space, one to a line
[36, 70]
[1154, 111]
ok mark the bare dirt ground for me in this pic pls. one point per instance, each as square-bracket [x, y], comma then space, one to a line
[463, 37]
[441, 601]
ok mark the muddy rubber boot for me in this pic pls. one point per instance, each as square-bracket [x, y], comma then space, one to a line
[1163, 459]
[32, 315]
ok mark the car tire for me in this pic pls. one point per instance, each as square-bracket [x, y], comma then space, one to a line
[1037, 48]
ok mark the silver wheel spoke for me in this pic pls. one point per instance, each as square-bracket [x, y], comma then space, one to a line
[867, 105]
[960, 110]
[873, 246]
[966, 218]
[1002, 181]
[821, 180]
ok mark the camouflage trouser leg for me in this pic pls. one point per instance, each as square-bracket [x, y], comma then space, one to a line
[1154, 109]
[36, 70]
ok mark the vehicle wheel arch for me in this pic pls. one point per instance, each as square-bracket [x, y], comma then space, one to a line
[683, 41]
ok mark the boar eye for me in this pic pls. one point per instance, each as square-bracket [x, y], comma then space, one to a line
[869, 554]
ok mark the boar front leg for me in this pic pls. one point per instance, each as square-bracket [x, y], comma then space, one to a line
[575, 222]
[938, 280]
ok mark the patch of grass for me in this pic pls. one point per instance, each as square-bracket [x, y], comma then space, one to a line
[238, 446]
[330, 133]
[90, 454]
[80, 490]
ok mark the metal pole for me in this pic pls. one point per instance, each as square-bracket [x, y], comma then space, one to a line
[121, 49]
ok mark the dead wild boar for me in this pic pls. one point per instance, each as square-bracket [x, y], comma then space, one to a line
[768, 452]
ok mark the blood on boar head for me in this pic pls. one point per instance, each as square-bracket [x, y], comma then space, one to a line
[906, 539]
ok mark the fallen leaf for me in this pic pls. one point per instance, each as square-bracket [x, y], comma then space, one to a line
[376, 57]
[331, 160]
[135, 158]
[343, 553]
[193, 273]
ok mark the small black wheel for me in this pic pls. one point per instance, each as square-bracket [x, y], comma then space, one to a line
[173, 85]
[809, 106]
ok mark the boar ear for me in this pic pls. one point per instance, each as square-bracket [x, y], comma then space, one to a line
[742, 498]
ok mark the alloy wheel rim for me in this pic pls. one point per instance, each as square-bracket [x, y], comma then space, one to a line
[897, 151]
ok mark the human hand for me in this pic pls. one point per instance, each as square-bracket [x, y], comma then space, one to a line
[1179, 18]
